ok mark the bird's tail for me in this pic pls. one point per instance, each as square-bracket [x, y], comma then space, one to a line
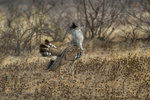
[45, 48]
[49, 44]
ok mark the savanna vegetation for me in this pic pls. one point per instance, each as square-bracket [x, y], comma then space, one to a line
[115, 64]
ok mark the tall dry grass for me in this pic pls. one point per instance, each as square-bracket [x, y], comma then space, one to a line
[105, 74]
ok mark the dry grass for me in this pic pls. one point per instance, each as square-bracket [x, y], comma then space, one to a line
[107, 74]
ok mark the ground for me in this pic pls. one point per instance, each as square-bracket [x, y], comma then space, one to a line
[102, 74]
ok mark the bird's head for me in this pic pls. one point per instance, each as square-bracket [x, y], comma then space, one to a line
[73, 26]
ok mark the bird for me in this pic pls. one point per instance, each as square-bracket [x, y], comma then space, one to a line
[62, 56]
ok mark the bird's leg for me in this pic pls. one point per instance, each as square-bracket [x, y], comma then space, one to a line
[72, 70]
[73, 63]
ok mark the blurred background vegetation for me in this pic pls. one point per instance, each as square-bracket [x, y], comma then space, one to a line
[24, 23]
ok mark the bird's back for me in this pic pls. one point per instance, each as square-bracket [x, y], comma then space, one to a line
[68, 55]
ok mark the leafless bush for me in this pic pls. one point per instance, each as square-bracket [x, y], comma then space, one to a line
[101, 17]
[24, 28]
[141, 16]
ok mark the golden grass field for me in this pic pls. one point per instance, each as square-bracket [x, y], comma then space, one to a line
[111, 72]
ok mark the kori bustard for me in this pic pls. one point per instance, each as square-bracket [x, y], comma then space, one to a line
[62, 56]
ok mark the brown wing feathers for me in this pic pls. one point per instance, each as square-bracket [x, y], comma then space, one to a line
[70, 54]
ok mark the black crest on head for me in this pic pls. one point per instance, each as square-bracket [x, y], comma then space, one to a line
[73, 26]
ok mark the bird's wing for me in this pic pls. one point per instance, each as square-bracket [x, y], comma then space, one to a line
[70, 52]
[68, 55]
